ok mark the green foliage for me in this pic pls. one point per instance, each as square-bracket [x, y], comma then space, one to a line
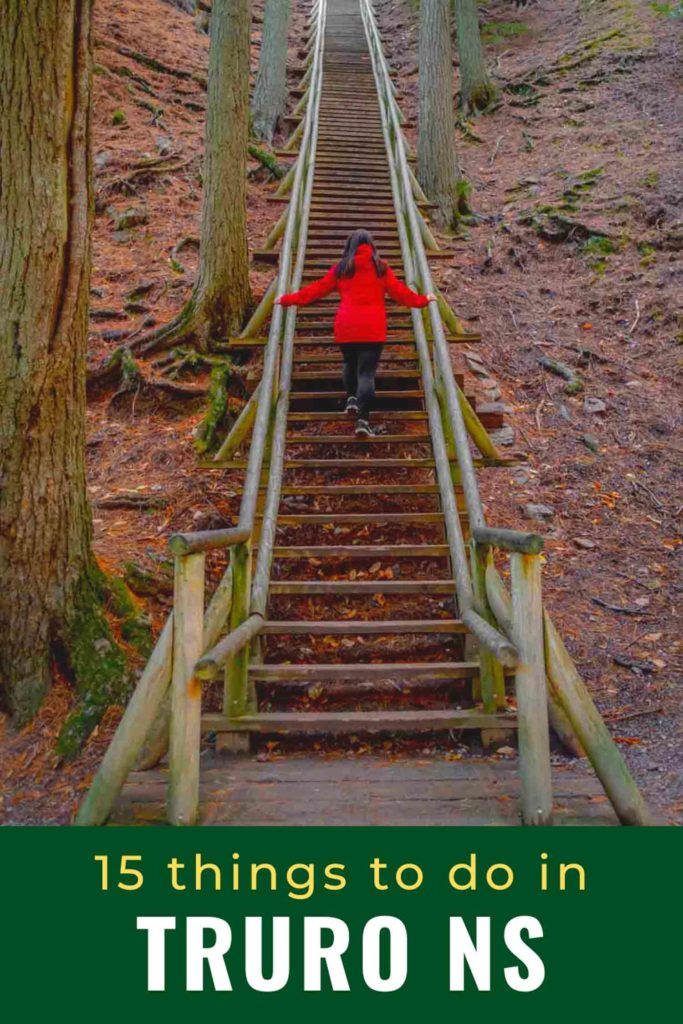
[597, 245]
[119, 117]
[596, 248]
[669, 10]
[495, 32]
[651, 179]
[580, 185]
[647, 254]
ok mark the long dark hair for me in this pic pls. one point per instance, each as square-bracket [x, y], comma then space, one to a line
[347, 264]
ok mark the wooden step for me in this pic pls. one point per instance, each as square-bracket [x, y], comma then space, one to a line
[326, 233]
[372, 627]
[358, 721]
[314, 341]
[309, 396]
[348, 464]
[334, 360]
[367, 670]
[512, 460]
[381, 375]
[377, 417]
[349, 518]
[345, 587]
[352, 489]
[352, 439]
[378, 551]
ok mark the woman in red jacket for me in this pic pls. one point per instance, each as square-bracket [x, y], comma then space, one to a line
[360, 327]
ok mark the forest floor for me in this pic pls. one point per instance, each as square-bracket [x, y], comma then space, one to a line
[576, 256]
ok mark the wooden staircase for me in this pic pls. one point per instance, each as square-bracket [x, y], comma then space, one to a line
[362, 596]
[341, 507]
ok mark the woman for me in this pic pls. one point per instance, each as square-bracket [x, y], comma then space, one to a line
[360, 327]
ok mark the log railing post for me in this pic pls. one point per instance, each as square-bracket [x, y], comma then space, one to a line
[186, 696]
[237, 670]
[532, 709]
[491, 670]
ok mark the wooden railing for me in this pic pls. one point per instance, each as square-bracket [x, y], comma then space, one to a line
[514, 631]
[189, 650]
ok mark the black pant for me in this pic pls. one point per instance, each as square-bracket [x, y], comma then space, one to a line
[360, 365]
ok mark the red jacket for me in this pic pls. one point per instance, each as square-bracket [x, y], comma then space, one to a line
[361, 316]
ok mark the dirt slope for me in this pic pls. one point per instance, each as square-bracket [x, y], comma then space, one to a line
[589, 131]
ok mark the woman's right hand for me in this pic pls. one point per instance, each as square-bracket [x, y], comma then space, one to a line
[431, 298]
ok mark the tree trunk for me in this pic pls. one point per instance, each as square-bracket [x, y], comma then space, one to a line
[223, 289]
[50, 600]
[476, 89]
[270, 90]
[222, 294]
[437, 160]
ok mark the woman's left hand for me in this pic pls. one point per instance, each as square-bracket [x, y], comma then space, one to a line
[431, 298]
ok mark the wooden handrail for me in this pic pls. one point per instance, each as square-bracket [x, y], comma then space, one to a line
[214, 661]
[249, 600]
[206, 540]
[509, 540]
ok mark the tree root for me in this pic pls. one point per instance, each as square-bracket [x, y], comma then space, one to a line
[147, 584]
[119, 366]
[141, 82]
[152, 63]
[186, 326]
[139, 173]
[574, 383]
[132, 499]
[183, 243]
[267, 160]
[154, 389]
[178, 360]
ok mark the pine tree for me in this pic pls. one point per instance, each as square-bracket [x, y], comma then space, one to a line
[476, 89]
[270, 90]
[438, 170]
[222, 294]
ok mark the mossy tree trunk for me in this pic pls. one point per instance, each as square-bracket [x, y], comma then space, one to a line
[438, 170]
[222, 294]
[476, 89]
[52, 592]
[270, 90]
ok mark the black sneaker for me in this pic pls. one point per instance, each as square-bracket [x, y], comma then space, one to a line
[351, 406]
[363, 429]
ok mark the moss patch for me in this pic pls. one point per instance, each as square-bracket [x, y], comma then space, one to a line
[647, 254]
[217, 407]
[97, 663]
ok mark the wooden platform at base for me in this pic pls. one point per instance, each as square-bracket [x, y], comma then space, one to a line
[365, 790]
